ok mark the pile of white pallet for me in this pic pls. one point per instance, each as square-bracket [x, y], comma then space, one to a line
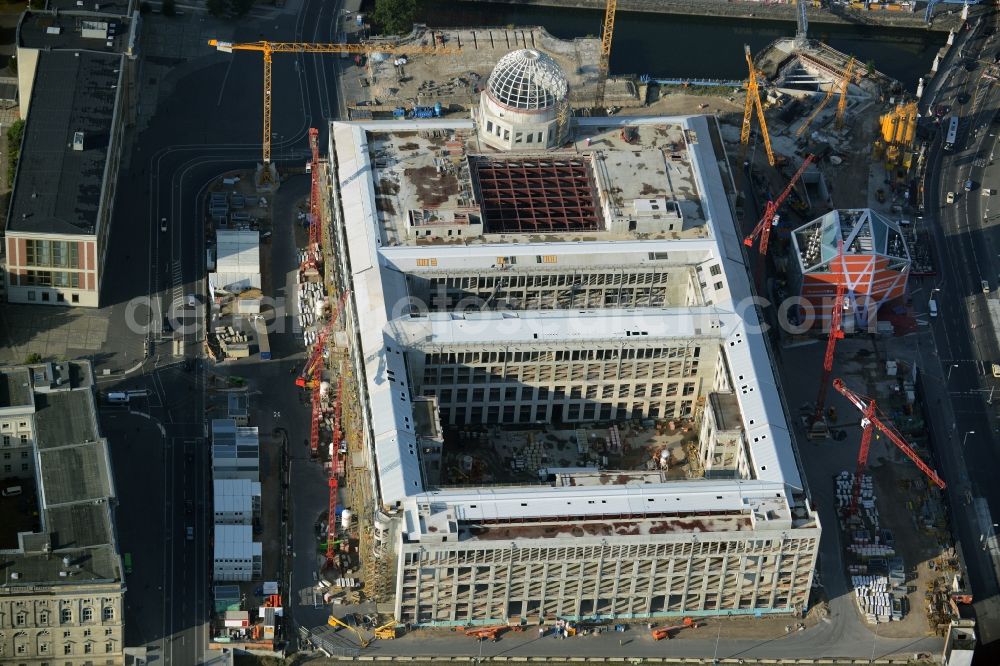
[874, 598]
[844, 488]
[311, 300]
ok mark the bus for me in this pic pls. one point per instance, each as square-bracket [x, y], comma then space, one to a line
[952, 135]
[128, 563]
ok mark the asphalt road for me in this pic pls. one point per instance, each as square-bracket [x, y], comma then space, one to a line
[211, 124]
[967, 248]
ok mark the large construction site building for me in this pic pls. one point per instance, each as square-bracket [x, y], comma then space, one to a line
[528, 270]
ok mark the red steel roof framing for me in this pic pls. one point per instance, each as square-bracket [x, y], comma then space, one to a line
[536, 195]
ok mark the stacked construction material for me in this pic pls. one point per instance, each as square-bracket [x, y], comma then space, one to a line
[844, 483]
[874, 599]
[310, 303]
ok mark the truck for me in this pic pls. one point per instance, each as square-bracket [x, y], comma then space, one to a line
[263, 344]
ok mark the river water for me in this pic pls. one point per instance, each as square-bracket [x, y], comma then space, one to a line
[667, 45]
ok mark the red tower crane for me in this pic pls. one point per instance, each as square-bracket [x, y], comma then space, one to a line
[310, 378]
[818, 427]
[872, 418]
[763, 228]
[304, 378]
[314, 253]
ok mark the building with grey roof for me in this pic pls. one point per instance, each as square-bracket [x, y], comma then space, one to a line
[552, 290]
[76, 74]
[59, 560]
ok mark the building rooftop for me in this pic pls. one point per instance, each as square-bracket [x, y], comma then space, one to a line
[89, 31]
[75, 473]
[860, 231]
[15, 390]
[74, 541]
[66, 139]
[64, 419]
[662, 199]
[438, 185]
[109, 7]
[727, 410]
[527, 80]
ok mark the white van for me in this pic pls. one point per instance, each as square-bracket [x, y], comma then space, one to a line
[117, 397]
[933, 307]
[12, 491]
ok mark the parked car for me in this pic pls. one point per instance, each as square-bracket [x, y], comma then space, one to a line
[950, 198]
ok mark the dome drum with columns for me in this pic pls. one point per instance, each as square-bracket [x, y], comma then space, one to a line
[525, 103]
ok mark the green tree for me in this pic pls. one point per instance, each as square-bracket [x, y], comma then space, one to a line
[14, 135]
[33, 358]
[395, 17]
[870, 68]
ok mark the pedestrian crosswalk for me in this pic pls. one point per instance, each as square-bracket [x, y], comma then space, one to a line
[177, 284]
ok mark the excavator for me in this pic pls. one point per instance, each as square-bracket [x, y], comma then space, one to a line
[659, 633]
[334, 622]
[388, 631]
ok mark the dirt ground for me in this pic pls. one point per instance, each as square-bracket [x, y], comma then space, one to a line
[899, 487]
[677, 103]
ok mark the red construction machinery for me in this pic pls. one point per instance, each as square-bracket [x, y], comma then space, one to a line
[763, 228]
[659, 633]
[872, 418]
[819, 428]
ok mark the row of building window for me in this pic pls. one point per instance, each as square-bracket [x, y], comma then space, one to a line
[7, 441]
[66, 616]
[7, 469]
[555, 355]
[64, 279]
[587, 412]
[519, 137]
[577, 279]
[559, 394]
[57, 254]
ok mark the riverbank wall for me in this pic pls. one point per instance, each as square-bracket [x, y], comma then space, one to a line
[946, 17]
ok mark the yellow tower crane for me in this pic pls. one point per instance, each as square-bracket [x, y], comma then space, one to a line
[841, 85]
[819, 107]
[606, 34]
[842, 102]
[753, 102]
[269, 48]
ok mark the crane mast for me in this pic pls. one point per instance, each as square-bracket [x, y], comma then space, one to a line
[753, 103]
[842, 102]
[819, 428]
[268, 48]
[872, 419]
[763, 228]
[607, 32]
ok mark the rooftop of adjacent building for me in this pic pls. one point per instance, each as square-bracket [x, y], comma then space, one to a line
[65, 533]
[60, 173]
[86, 30]
[442, 175]
[15, 390]
[855, 232]
[673, 159]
